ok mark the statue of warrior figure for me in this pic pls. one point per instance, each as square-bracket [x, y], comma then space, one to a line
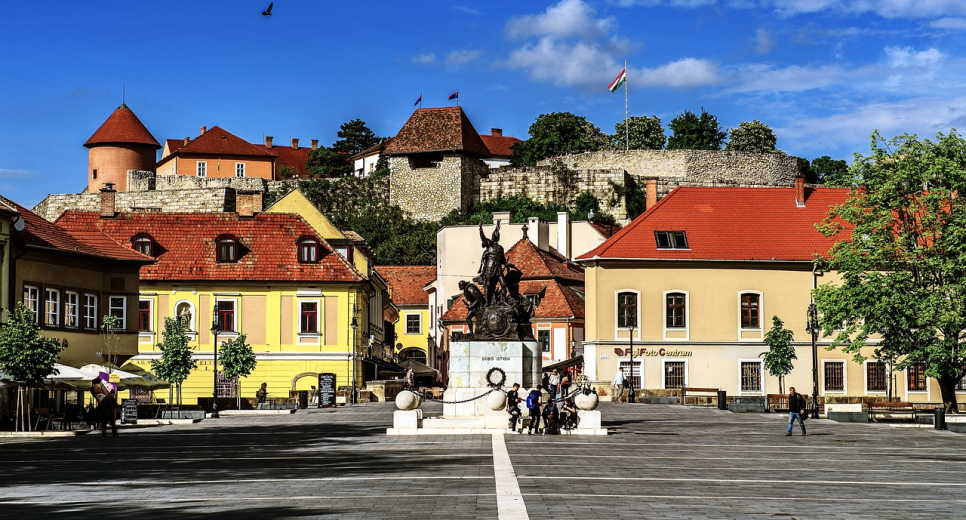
[473, 299]
[492, 264]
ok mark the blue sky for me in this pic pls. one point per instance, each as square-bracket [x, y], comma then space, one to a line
[823, 73]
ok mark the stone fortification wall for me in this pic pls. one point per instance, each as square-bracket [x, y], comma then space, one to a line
[543, 184]
[189, 182]
[170, 201]
[430, 193]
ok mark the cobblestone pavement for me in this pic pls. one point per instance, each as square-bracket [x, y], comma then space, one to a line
[660, 462]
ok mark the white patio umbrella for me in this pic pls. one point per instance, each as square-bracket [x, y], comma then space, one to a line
[65, 373]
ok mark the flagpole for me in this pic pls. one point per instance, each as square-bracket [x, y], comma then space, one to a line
[627, 133]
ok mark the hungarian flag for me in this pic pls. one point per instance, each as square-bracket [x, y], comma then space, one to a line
[618, 81]
[454, 95]
[418, 101]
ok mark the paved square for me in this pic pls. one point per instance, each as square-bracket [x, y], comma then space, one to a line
[660, 462]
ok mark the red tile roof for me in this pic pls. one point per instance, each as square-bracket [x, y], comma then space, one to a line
[188, 253]
[122, 127]
[437, 130]
[406, 282]
[173, 144]
[729, 224]
[536, 264]
[291, 157]
[42, 234]
[499, 145]
[218, 141]
[560, 301]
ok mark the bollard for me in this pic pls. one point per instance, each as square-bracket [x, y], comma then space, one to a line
[303, 399]
[940, 421]
[722, 400]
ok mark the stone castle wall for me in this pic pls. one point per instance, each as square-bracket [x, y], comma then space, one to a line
[430, 193]
[542, 183]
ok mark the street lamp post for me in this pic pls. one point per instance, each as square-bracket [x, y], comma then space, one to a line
[630, 385]
[215, 329]
[354, 325]
[812, 328]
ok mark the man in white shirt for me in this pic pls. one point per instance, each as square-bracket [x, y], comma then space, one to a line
[618, 386]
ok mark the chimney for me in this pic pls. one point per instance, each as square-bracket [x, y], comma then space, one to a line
[248, 203]
[315, 144]
[295, 144]
[650, 193]
[268, 142]
[496, 131]
[563, 233]
[107, 200]
[533, 230]
[539, 233]
[502, 216]
[186, 141]
[800, 191]
[203, 129]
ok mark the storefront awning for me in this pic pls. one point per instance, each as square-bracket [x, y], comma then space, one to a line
[384, 366]
[565, 364]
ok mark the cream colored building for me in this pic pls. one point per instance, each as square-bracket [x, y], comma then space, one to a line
[700, 276]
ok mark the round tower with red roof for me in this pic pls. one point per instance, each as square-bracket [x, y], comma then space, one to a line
[122, 143]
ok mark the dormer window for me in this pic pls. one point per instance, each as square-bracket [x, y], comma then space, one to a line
[345, 251]
[671, 239]
[143, 244]
[227, 247]
[308, 250]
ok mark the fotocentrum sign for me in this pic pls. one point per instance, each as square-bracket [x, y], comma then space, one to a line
[653, 352]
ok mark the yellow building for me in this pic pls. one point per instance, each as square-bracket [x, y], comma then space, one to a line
[694, 282]
[406, 289]
[303, 306]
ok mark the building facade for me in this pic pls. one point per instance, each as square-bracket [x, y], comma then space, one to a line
[406, 289]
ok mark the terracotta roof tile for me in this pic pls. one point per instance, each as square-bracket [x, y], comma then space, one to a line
[535, 263]
[560, 301]
[123, 126]
[499, 145]
[217, 140]
[188, 252]
[729, 224]
[291, 157]
[406, 282]
[437, 130]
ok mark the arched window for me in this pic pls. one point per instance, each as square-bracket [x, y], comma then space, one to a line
[143, 243]
[308, 250]
[185, 311]
[227, 248]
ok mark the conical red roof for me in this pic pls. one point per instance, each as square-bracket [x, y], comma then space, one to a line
[122, 127]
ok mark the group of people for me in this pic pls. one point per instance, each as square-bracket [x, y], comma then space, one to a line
[556, 383]
[554, 417]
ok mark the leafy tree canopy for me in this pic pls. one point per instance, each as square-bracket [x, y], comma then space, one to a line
[25, 355]
[691, 132]
[558, 133]
[830, 172]
[328, 163]
[751, 136]
[901, 254]
[237, 357]
[778, 358]
[176, 361]
[643, 133]
[355, 137]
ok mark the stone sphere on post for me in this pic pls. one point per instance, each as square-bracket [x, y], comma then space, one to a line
[496, 400]
[407, 400]
[587, 401]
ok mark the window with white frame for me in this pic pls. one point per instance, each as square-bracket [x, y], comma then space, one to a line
[675, 374]
[414, 324]
[202, 169]
[751, 377]
[875, 376]
[308, 250]
[31, 300]
[239, 169]
[626, 309]
[143, 243]
[916, 377]
[71, 309]
[226, 315]
[90, 311]
[834, 372]
[309, 317]
[750, 311]
[144, 315]
[675, 310]
[52, 307]
[117, 307]
[635, 375]
[543, 338]
[227, 248]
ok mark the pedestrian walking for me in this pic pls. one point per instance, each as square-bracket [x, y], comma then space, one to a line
[617, 385]
[565, 384]
[797, 408]
[554, 384]
[533, 408]
[513, 407]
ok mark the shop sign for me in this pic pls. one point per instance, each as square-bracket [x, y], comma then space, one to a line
[653, 352]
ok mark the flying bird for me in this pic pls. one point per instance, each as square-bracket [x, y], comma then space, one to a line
[268, 12]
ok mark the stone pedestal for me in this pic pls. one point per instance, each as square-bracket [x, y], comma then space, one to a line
[407, 419]
[469, 363]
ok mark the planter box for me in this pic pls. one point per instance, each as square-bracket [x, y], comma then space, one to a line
[852, 417]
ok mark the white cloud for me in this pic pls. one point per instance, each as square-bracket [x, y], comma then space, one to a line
[903, 57]
[424, 59]
[580, 65]
[949, 23]
[683, 73]
[465, 9]
[761, 78]
[14, 173]
[568, 18]
[764, 41]
[883, 8]
[457, 59]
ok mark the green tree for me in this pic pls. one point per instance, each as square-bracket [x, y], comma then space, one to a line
[558, 133]
[830, 172]
[176, 359]
[286, 172]
[753, 136]
[643, 133]
[778, 358]
[110, 324]
[691, 132]
[327, 163]
[25, 355]
[237, 360]
[901, 254]
[355, 137]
